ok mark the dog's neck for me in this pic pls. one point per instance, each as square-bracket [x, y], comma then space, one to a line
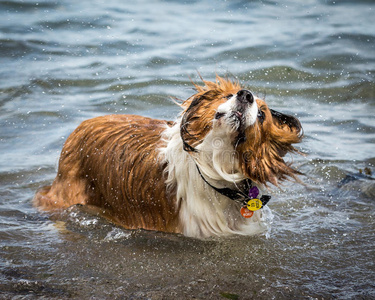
[218, 160]
[205, 210]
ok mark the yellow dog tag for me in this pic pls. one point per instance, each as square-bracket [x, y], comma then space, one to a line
[254, 204]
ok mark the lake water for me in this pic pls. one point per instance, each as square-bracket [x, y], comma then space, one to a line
[65, 61]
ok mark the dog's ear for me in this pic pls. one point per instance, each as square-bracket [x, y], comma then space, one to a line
[262, 159]
[290, 131]
[287, 122]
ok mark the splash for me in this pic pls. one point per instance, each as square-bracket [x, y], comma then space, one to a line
[267, 219]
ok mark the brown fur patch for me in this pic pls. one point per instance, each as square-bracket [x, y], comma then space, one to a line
[261, 155]
[111, 162]
[201, 107]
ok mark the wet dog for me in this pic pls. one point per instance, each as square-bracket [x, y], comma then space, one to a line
[191, 176]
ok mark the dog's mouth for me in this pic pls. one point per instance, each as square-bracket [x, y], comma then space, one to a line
[238, 113]
[237, 118]
[240, 127]
[232, 118]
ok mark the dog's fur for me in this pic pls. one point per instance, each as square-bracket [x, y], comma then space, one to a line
[142, 172]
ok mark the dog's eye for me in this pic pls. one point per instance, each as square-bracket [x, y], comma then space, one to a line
[218, 115]
[228, 96]
[261, 116]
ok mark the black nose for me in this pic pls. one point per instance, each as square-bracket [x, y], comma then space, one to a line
[245, 96]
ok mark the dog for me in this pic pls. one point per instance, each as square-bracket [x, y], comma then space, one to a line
[192, 176]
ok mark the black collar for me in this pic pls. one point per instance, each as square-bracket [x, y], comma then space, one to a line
[238, 196]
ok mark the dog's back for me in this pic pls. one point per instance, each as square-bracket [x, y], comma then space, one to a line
[112, 162]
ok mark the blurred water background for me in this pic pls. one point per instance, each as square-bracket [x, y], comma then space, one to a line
[65, 61]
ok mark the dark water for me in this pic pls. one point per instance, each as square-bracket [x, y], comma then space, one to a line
[65, 61]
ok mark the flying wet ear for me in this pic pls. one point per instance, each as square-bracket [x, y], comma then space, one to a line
[287, 122]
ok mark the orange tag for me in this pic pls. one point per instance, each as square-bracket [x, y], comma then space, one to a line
[246, 213]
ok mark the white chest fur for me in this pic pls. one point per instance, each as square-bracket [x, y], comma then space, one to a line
[203, 211]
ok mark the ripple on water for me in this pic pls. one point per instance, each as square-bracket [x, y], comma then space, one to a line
[66, 61]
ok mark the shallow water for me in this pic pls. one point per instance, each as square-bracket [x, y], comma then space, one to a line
[66, 61]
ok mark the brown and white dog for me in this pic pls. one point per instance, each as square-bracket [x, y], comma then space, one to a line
[166, 176]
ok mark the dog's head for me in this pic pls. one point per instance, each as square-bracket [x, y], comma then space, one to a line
[224, 119]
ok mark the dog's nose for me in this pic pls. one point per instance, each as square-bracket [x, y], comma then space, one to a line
[245, 96]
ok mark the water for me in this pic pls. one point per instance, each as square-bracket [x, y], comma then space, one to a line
[66, 61]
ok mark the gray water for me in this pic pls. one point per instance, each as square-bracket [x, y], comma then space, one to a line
[65, 61]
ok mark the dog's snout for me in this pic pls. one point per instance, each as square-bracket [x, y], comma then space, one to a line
[245, 96]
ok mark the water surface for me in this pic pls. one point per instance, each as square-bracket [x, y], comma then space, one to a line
[66, 61]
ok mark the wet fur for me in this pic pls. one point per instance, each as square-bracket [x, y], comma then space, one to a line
[137, 172]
